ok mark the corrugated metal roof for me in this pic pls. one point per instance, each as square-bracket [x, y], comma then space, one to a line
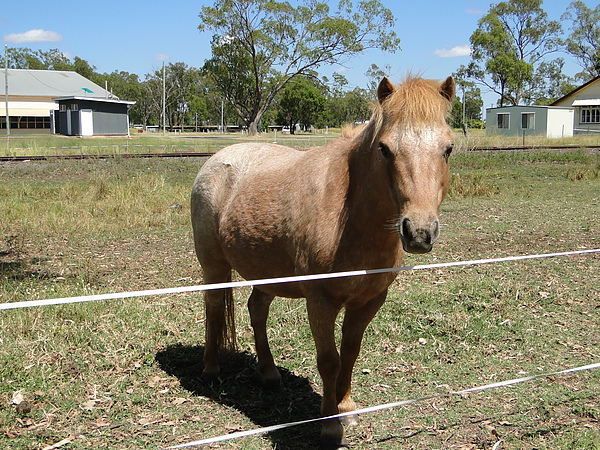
[49, 83]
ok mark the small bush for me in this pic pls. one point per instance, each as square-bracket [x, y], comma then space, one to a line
[586, 173]
[470, 186]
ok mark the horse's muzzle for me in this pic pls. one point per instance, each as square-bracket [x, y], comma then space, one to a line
[418, 237]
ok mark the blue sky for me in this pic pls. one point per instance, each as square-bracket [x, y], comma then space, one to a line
[137, 36]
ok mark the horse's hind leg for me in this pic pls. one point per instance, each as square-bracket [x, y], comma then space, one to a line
[219, 326]
[258, 306]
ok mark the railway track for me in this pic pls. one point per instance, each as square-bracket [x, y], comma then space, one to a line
[207, 154]
[106, 156]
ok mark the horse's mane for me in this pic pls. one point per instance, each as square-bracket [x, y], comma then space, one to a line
[415, 101]
[351, 131]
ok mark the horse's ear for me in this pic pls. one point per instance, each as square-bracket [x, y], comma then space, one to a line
[448, 89]
[385, 89]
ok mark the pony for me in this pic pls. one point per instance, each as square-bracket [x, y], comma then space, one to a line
[358, 202]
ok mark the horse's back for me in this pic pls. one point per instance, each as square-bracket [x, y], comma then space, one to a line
[220, 175]
[220, 182]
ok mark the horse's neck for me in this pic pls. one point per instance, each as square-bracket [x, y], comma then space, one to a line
[365, 236]
[369, 198]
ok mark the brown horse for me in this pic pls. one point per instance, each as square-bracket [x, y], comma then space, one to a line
[268, 211]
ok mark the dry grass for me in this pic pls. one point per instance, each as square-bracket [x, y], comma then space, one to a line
[124, 374]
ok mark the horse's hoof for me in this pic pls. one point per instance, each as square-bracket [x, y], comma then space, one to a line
[272, 384]
[271, 379]
[211, 378]
[350, 421]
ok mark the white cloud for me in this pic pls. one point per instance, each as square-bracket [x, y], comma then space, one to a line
[161, 57]
[454, 52]
[474, 11]
[33, 36]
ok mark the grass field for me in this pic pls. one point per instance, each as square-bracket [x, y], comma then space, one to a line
[124, 374]
[151, 143]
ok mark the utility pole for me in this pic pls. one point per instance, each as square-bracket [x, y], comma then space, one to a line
[464, 105]
[164, 102]
[6, 91]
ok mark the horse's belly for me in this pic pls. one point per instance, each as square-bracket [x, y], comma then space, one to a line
[251, 266]
[257, 253]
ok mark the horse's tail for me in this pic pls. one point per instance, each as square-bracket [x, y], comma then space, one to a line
[228, 337]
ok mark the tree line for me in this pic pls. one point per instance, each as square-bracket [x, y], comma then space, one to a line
[266, 55]
[516, 48]
[192, 99]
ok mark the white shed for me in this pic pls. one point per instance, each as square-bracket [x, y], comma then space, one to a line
[548, 121]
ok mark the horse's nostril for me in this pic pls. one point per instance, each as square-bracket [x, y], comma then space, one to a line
[405, 227]
[416, 235]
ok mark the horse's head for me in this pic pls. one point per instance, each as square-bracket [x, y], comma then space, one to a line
[414, 142]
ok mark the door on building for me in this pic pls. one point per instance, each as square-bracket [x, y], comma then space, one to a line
[86, 117]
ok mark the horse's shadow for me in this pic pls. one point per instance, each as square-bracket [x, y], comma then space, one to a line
[241, 389]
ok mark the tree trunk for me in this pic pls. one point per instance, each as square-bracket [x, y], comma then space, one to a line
[253, 124]
[253, 128]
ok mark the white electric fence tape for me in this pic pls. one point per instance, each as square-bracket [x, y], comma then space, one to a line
[237, 284]
[371, 409]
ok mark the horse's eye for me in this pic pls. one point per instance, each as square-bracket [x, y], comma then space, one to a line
[385, 151]
[448, 151]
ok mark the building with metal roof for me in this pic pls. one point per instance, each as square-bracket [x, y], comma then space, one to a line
[89, 116]
[585, 100]
[547, 121]
[578, 112]
[34, 94]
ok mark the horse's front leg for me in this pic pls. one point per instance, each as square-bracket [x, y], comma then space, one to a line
[321, 316]
[356, 319]
[258, 306]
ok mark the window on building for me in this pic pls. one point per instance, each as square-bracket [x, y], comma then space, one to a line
[26, 122]
[590, 115]
[504, 120]
[74, 107]
[528, 121]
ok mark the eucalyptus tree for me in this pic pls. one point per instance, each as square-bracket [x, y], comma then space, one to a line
[302, 101]
[182, 84]
[466, 106]
[374, 75]
[26, 58]
[53, 59]
[508, 47]
[584, 41]
[258, 46]
[150, 104]
[350, 106]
